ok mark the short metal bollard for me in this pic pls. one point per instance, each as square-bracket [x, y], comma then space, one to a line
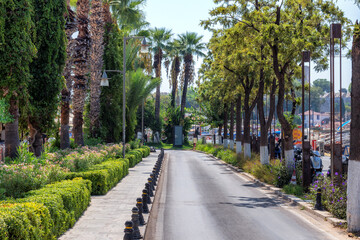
[149, 190]
[145, 201]
[153, 179]
[128, 230]
[318, 205]
[139, 205]
[151, 183]
[136, 223]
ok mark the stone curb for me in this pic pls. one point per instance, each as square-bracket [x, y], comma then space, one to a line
[304, 204]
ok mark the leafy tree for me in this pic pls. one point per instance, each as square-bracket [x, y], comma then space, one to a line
[174, 118]
[46, 69]
[149, 115]
[139, 87]
[16, 52]
[285, 30]
[191, 46]
[5, 117]
[324, 84]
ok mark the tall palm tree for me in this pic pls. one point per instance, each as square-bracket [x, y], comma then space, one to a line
[81, 69]
[173, 58]
[70, 28]
[128, 13]
[191, 46]
[97, 23]
[159, 38]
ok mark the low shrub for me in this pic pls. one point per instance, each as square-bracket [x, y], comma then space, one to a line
[17, 179]
[45, 213]
[135, 144]
[275, 173]
[103, 176]
[293, 189]
[25, 221]
[333, 194]
[145, 150]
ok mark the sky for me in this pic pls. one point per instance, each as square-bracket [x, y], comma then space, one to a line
[185, 15]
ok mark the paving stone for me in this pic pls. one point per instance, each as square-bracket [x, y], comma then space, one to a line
[105, 217]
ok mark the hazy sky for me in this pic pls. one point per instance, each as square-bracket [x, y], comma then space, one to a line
[185, 15]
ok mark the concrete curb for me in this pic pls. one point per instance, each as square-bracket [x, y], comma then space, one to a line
[153, 210]
[304, 204]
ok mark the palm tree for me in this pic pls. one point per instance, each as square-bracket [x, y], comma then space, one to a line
[81, 69]
[97, 24]
[70, 28]
[128, 14]
[173, 57]
[140, 86]
[191, 46]
[159, 38]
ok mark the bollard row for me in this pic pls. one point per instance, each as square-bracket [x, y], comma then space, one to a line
[132, 230]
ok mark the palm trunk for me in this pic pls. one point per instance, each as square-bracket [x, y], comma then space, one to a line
[81, 70]
[188, 59]
[157, 66]
[12, 140]
[96, 64]
[174, 75]
[353, 187]
[36, 140]
[70, 28]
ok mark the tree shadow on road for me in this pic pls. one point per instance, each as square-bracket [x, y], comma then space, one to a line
[254, 202]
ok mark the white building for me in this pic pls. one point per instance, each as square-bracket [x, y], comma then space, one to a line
[316, 118]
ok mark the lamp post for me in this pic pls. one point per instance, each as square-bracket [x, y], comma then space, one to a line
[336, 148]
[144, 49]
[306, 171]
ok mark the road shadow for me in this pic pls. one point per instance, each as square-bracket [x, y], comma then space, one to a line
[251, 202]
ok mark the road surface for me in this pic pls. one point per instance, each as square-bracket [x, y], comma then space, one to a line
[202, 199]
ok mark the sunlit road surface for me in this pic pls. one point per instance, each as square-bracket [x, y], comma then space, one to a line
[203, 199]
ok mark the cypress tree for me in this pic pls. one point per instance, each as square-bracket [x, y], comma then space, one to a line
[47, 68]
[16, 52]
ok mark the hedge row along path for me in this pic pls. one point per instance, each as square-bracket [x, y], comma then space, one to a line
[105, 217]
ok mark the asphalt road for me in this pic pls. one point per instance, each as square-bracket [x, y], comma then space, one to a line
[203, 199]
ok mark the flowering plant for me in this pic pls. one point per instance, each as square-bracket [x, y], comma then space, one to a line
[333, 194]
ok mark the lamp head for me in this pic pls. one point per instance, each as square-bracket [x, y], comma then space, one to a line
[144, 47]
[104, 80]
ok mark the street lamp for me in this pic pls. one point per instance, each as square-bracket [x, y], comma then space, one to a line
[336, 148]
[306, 171]
[144, 49]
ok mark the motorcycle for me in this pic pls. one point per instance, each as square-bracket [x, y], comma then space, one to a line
[316, 165]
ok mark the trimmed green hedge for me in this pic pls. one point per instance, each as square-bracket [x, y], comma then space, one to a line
[145, 150]
[45, 213]
[104, 176]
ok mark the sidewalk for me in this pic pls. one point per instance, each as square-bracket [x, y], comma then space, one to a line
[105, 217]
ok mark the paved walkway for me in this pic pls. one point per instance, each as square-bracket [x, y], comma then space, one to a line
[105, 217]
